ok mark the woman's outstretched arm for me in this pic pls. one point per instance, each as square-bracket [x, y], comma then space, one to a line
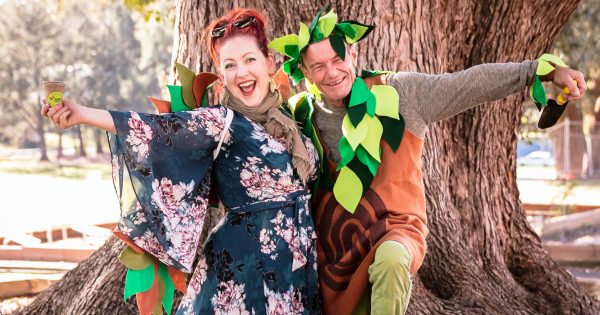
[69, 114]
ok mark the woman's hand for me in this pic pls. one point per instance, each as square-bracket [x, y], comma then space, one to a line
[65, 115]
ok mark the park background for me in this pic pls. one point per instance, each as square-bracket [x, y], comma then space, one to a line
[58, 202]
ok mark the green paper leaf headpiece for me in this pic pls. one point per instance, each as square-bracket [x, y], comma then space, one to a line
[322, 27]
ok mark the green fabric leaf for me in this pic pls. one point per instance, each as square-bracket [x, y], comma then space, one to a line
[346, 29]
[347, 189]
[161, 294]
[346, 153]
[337, 43]
[167, 300]
[362, 30]
[538, 93]
[387, 100]
[297, 75]
[393, 130]
[303, 36]
[373, 73]
[314, 22]
[363, 173]
[359, 92]
[186, 76]
[132, 260]
[365, 158]
[371, 105]
[372, 140]
[292, 51]
[317, 35]
[354, 135]
[278, 44]
[313, 89]
[544, 68]
[553, 59]
[137, 281]
[356, 114]
[288, 65]
[177, 104]
[327, 23]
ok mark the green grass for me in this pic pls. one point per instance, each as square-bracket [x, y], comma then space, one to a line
[63, 172]
[56, 170]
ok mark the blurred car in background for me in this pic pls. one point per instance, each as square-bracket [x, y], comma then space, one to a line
[537, 158]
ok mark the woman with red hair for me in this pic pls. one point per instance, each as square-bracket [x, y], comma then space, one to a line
[261, 258]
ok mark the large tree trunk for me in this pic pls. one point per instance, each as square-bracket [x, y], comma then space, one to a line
[95, 286]
[483, 256]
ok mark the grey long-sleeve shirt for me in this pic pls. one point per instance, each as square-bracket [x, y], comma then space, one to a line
[425, 99]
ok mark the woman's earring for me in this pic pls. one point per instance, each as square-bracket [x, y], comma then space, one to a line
[272, 86]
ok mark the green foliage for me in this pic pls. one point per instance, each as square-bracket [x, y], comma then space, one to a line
[146, 8]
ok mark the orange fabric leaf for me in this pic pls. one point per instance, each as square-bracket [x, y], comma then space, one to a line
[201, 82]
[282, 83]
[146, 301]
[129, 242]
[162, 105]
[178, 278]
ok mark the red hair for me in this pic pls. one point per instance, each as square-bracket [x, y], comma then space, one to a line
[256, 29]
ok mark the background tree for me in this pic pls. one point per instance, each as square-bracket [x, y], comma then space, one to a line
[29, 44]
[108, 56]
[579, 43]
[483, 256]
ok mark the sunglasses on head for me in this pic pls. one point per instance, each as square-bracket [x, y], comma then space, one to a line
[220, 31]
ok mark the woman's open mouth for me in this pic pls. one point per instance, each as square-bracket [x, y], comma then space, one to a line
[247, 87]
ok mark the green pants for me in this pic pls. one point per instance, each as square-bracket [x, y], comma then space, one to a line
[390, 282]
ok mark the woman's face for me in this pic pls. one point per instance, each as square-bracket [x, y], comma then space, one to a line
[245, 70]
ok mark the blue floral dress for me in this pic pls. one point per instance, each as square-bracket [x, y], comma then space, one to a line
[261, 257]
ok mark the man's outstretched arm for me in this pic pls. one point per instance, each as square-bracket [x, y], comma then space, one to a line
[436, 97]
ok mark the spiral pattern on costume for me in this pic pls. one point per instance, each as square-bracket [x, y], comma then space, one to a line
[346, 238]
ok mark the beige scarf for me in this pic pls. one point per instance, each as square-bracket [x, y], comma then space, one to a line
[277, 124]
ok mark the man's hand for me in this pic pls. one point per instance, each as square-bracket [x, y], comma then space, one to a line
[573, 79]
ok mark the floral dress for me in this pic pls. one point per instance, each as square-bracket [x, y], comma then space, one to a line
[261, 257]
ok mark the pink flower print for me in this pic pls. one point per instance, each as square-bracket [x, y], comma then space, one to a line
[229, 299]
[286, 303]
[267, 245]
[199, 275]
[139, 218]
[284, 227]
[261, 183]
[168, 197]
[139, 136]
[149, 243]
[211, 121]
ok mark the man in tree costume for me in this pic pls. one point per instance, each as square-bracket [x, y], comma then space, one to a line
[369, 129]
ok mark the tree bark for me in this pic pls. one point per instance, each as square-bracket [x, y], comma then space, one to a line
[100, 138]
[95, 286]
[42, 134]
[59, 149]
[483, 257]
[81, 142]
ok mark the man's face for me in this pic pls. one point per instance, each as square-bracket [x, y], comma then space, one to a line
[332, 75]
